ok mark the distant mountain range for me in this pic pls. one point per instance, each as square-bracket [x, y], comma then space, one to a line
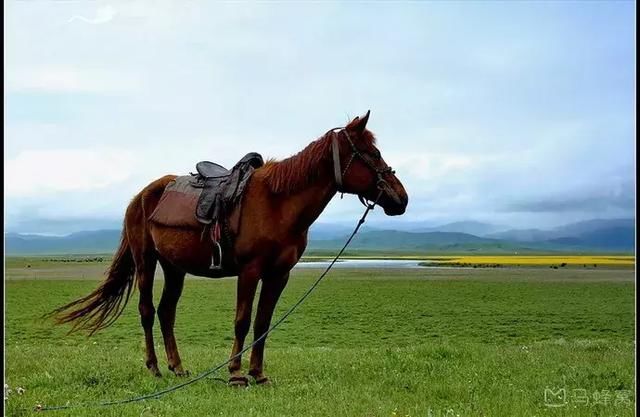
[570, 230]
[468, 227]
[88, 242]
[323, 231]
[616, 235]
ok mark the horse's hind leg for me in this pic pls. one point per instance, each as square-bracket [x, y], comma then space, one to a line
[173, 283]
[146, 268]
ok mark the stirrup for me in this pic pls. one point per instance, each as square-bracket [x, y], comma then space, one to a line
[213, 265]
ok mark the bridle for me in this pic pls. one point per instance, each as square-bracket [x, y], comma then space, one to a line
[369, 160]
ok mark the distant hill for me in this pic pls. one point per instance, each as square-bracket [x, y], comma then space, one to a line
[613, 234]
[591, 236]
[589, 226]
[87, 242]
[325, 231]
[405, 240]
[427, 241]
[612, 238]
[525, 235]
[468, 227]
[598, 235]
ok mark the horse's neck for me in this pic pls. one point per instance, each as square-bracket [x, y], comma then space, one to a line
[305, 206]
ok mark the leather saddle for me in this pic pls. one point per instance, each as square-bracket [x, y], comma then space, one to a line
[208, 169]
[222, 187]
[221, 191]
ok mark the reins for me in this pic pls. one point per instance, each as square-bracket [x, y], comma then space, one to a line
[205, 374]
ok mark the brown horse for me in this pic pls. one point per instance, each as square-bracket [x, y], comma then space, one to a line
[280, 202]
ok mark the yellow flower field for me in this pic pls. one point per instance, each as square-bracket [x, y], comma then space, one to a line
[614, 260]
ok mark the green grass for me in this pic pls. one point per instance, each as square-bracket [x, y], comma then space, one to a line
[366, 343]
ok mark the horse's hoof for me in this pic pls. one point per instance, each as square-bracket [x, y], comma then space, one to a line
[155, 371]
[179, 372]
[182, 374]
[263, 380]
[238, 381]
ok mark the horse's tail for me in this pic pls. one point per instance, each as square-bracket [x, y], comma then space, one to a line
[103, 306]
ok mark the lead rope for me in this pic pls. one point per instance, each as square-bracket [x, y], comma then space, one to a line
[205, 374]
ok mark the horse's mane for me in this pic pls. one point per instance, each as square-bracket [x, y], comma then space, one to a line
[300, 170]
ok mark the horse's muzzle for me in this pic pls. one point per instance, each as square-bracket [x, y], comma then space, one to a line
[394, 210]
[393, 202]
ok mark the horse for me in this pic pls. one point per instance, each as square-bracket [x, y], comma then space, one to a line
[280, 202]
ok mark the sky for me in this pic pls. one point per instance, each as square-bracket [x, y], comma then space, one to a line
[513, 113]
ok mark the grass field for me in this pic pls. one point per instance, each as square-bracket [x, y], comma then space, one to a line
[31, 265]
[432, 342]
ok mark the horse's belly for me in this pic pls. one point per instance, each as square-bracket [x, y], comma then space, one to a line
[184, 249]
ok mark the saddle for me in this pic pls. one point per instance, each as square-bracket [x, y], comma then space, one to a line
[222, 187]
[204, 200]
[208, 169]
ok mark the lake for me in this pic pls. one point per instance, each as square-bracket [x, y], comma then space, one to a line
[363, 263]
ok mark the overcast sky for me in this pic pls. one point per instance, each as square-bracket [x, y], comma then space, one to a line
[513, 113]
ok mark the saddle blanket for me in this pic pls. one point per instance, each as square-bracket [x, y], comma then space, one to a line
[201, 199]
[177, 206]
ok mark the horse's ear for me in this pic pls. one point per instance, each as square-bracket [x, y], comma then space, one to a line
[360, 123]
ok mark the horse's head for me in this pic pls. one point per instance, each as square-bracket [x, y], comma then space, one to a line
[359, 168]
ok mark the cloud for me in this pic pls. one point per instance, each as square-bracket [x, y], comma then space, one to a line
[590, 202]
[104, 14]
[40, 172]
[522, 112]
[425, 165]
[57, 79]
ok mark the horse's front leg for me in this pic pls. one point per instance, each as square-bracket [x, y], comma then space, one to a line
[247, 283]
[269, 294]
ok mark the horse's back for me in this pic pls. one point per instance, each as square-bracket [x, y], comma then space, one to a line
[181, 246]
